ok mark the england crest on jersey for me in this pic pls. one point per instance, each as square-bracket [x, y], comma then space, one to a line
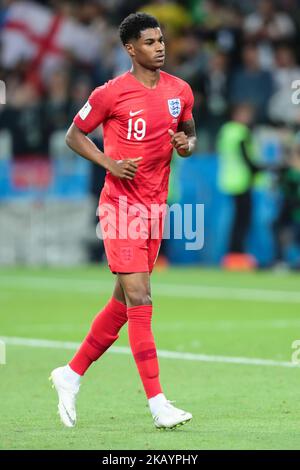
[174, 107]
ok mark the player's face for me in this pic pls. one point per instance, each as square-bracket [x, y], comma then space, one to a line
[149, 49]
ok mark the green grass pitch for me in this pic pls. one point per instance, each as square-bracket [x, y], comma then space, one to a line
[235, 405]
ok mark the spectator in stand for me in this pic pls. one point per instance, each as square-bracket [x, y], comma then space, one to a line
[24, 118]
[229, 37]
[214, 88]
[57, 104]
[268, 25]
[221, 25]
[91, 14]
[190, 58]
[80, 90]
[174, 17]
[208, 13]
[282, 110]
[252, 84]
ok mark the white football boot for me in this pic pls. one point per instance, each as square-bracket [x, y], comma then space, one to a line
[169, 417]
[66, 397]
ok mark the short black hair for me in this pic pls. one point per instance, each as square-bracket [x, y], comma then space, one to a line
[133, 24]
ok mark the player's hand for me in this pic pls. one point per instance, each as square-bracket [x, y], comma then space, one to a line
[124, 169]
[180, 141]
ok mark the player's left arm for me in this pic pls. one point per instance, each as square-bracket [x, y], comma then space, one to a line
[185, 139]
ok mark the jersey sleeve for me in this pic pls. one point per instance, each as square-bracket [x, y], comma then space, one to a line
[188, 98]
[96, 110]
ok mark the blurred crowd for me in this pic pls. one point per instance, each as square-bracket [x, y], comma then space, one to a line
[53, 53]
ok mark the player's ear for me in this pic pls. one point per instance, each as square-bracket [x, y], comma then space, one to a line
[130, 49]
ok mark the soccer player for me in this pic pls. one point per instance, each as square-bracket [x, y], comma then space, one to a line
[145, 114]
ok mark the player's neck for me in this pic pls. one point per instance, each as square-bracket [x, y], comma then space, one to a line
[149, 78]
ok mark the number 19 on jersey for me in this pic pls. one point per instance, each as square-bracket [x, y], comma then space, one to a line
[137, 130]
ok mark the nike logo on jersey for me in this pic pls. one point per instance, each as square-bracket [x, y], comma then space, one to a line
[131, 113]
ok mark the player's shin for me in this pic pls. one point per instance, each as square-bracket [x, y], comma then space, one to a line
[143, 348]
[103, 333]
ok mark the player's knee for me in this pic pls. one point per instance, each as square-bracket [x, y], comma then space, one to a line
[136, 298]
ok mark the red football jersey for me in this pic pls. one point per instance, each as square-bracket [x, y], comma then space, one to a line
[136, 120]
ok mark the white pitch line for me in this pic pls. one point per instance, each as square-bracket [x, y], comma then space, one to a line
[186, 356]
[165, 290]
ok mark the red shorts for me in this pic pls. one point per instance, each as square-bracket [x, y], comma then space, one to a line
[131, 242]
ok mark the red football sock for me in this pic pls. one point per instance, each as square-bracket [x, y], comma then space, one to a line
[103, 333]
[143, 347]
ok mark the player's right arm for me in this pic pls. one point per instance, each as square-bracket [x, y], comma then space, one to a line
[97, 109]
[81, 144]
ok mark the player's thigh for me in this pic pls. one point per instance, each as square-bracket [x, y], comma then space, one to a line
[126, 256]
[136, 287]
[126, 249]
